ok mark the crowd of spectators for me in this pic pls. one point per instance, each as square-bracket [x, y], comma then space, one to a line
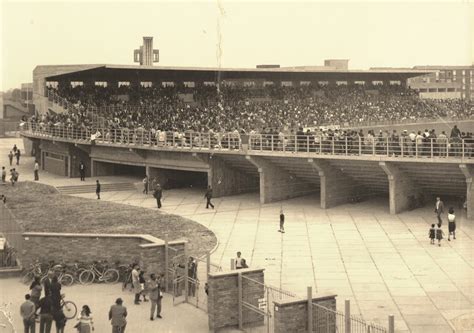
[205, 108]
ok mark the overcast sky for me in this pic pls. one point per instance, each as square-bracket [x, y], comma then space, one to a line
[288, 33]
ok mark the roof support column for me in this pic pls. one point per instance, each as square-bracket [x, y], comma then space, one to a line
[276, 183]
[336, 187]
[403, 191]
[468, 171]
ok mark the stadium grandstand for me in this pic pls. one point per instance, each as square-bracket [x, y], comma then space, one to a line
[323, 129]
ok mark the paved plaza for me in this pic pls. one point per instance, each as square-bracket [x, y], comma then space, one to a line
[383, 263]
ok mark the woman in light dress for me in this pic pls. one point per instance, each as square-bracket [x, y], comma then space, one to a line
[85, 324]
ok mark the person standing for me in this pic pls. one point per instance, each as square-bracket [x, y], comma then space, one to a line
[47, 283]
[4, 175]
[136, 283]
[439, 209]
[28, 311]
[45, 308]
[36, 170]
[240, 262]
[82, 171]
[10, 158]
[17, 155]
[35, 290]
[97, 189]
[158, 193]
[451, 223]
[117, 316]
[154, 294]
[208, 197]
[145, 185]
[143, 287]
[192, 273]
[55, 292]
[86, 323]
[282, 222]
[432, 234]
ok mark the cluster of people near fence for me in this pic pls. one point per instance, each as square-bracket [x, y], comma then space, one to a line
[228, 108]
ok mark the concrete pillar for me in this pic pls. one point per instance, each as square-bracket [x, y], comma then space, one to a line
[226, 180]
[468, 171]
[336, 187]
[276, 183]
[402, 189]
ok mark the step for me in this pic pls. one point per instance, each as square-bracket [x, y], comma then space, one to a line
[77, 189]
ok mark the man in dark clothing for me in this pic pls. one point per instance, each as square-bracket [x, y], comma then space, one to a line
[97, 189]
[47, 283]
[82, 171]
[18, 154]
[158, 194]
[10, 157]
[208, 197]
[282, 221]
[45, 307]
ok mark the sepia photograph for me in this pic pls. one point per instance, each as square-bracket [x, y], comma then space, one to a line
[269, 166]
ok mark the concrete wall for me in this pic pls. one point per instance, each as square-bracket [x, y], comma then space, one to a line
[292, 315]
[148, 251]
[223, 299]
[226, 180]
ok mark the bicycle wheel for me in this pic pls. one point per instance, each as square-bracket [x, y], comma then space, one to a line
[86, 277]
[28, 277]
[67, 280]
[111, 275]
[69, 309]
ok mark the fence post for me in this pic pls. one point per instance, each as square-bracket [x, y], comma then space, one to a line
[307, 144]
[186, 277]
[241, 319]
[391, 324]
[261, 142]
[208, 263]
[360, 145]
[346, 148]
[431, 142]
[166, 264]
[272, 142]
[347, 316]
[462, 147]
[310, 309]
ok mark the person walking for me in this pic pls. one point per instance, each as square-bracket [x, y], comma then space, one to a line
[158, 193]
[145, 185]
[86, 323]
[451, 223]
[36, 170]
[155, 297]
[45, 307]
[82, 171]
[27, 312]
[97, 189]
[117, 316]
[4, 175]
[439, 209]
[439, 234]
[432, 234]
[208, 197]
[10, 157]
[17, 155]
[282, 221]
[136, 283]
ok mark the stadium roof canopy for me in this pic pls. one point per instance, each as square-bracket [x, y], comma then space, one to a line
[159, 73]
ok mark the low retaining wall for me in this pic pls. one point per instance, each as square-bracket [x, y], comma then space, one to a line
[146, 250]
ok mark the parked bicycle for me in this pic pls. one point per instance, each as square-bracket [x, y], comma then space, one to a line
[35, 269]
[126, 276]
[100, 273]
[64, 278]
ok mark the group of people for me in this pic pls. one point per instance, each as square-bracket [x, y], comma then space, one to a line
[153, 287]
[435, 231]
[14, 153]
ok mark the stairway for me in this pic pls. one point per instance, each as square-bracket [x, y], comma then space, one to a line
[79, 189]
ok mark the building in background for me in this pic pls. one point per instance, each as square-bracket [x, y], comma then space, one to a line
[445, 82]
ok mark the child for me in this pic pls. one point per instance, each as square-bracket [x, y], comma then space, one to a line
[432, 234]
[439, 234]
[451, 223]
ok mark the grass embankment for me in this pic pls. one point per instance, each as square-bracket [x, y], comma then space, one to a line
[41, 208]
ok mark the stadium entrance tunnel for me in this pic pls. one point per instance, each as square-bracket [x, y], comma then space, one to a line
[116, 169]
[172, 178]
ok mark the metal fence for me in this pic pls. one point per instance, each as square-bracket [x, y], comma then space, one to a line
[308, 145]
[12, 231]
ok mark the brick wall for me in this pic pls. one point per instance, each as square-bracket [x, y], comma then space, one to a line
[292, 315]
[148, 251]
[223, 299]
